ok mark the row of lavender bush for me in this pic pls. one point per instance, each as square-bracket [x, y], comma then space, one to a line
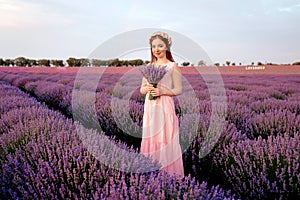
[261, 105]
[42, 157]
[260, 109]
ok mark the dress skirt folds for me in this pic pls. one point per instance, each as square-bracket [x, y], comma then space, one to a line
[160, 140]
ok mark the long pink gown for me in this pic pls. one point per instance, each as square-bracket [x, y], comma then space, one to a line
[160, 139]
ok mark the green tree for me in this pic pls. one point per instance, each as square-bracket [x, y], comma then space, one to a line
[72, 62]
[32, 62]
[21, 61]
[201, 63]
[9, 62]
[58, 63]
[125, 63]
[296, 63]
[44, 62]
[2, 62]
[131, 62]
[136, 62]
[96, 62]
[139, 62]
[84, 62]
[185, 63]
[114, 62]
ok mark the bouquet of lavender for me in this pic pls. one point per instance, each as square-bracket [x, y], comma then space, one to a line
[153, 75]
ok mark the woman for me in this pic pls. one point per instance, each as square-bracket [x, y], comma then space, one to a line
[160, 124]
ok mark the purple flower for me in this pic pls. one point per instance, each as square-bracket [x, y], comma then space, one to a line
[153, 75]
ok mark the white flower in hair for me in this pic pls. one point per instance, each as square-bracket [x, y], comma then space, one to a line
[163, 35]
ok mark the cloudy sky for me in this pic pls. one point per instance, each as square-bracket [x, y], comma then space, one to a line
[239, 31]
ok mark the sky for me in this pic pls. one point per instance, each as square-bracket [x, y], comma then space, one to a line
[234, 30]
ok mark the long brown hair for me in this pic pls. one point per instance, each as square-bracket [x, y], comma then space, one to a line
[168, 51]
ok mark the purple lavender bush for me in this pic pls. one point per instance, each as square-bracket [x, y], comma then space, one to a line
[21, 81]
[10, 101]
[10, 77]
[43, 157]
[275, 122]
[262, 168]
[256, 155]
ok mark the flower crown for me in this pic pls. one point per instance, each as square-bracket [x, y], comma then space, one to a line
[163, 35]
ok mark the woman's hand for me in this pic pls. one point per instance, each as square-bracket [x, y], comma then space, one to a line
[146, 87]
[155, 92]
[149, 87]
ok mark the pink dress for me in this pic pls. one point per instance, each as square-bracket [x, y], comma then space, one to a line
[160, 139]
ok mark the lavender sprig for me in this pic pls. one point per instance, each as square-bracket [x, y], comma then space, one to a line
[153, 75]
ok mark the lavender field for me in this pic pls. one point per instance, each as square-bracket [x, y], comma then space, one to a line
[43, 151]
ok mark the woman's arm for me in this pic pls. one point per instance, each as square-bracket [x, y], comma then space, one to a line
[177, 84]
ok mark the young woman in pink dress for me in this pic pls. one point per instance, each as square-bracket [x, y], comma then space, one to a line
[160, 140]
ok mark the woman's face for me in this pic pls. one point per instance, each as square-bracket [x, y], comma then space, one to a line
[159, 48]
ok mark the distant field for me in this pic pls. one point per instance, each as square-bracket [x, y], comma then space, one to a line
[280, 69]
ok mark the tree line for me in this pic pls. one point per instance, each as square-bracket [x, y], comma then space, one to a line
[71, 62]
[229, 63]
[78, 62]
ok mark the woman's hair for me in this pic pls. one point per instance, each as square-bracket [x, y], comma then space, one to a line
[168, 42]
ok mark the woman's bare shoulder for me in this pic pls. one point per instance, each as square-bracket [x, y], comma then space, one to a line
[175, 66]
